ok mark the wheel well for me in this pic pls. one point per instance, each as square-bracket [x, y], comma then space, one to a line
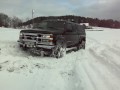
[83, 39]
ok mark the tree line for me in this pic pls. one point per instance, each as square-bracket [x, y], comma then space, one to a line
[78, 19]
[6, 21]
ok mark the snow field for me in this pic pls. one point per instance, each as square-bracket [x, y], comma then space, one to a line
[95, 68]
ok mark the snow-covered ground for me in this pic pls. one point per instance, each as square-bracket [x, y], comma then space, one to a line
[96, 68]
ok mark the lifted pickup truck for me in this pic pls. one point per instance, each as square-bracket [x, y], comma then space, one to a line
[53, 37]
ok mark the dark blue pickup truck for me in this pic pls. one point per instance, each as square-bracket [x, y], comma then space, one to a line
[53, 37]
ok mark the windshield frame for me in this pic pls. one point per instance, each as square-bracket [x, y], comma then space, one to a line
[50, 25]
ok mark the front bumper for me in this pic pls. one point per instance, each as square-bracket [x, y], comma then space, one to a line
[35, 44]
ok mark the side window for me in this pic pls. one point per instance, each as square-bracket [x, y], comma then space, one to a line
[75, 28]
[72, 27]
[81, 29]
[69, 27]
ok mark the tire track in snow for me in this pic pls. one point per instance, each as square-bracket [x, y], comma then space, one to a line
[105, 61]
[110, 59]
[114, 51]
[71, 78]
[84, 77]
[11, 49]
[117, 47]
[103, 76]
[102, 48]
[107, 47]
[89, 77]
[98, 51]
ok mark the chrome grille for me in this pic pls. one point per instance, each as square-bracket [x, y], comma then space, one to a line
[38, 38]
[29, 36]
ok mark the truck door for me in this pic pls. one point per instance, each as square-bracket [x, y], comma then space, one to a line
[70, 35]
[76, 33]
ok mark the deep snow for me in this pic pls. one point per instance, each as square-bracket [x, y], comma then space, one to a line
[96, 68]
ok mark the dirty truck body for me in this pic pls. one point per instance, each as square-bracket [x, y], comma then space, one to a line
[53, 37]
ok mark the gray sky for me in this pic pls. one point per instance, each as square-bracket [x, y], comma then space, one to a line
[108, 9]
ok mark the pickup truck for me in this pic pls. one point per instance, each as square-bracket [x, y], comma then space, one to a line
[53, 37]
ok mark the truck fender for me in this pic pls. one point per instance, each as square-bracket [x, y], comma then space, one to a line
[59, 38]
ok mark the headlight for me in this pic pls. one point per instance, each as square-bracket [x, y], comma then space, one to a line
[47, 36]
[21, 34]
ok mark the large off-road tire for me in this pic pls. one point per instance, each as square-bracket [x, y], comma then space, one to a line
[81, 45]
[23, 47]
[60, 49]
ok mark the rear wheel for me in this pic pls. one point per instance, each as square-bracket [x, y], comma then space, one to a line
[81, 45]
[59, 50]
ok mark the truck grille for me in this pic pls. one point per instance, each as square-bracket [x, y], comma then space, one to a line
[38, 38]
[31, 37]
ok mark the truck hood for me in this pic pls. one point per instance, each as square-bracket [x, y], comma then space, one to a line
[42, 31]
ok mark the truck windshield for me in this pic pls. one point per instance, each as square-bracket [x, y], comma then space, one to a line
[50, 25]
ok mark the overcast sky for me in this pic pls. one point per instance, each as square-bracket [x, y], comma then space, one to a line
[108, 9]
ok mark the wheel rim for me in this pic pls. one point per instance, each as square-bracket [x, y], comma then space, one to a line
[59, 51]
[79, 46]
[82, 44]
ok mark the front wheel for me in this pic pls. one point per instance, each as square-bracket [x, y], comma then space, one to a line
[59, 50]
[23, 47]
